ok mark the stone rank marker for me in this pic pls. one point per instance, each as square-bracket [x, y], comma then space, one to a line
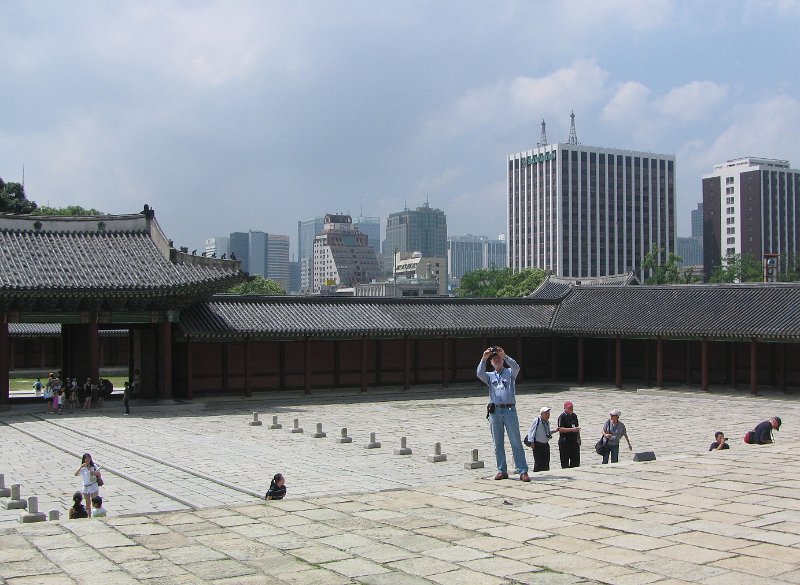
[373, 444]
[344, 438]
[4, 491]
[437, 455]
[275, 424]
[474, 463]
[320, 434]
[403, 450]
[33, 514]
[255, 422]
[297, 428]
[14, 502]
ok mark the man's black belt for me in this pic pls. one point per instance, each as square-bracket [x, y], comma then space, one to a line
[505, 405]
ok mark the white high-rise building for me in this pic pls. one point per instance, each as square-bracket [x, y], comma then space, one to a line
[342, 256]
[581, 210]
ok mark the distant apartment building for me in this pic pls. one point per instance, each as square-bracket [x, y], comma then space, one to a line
[751, 206]
[467, 253]
[342, 255]
[582, 211]
[423, 230]
[307, 230]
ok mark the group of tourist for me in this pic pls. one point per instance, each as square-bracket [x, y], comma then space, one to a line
[499, 372]
[68, 395]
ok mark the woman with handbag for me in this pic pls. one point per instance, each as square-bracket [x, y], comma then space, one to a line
[91, 480]
[613, 430]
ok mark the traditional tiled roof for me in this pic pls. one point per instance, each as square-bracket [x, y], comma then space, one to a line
[762, 311]
[100, 259]
[557, 287]
[35, 330]
[230, 316]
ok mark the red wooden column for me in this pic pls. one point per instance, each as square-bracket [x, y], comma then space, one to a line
[753, 367]
[189, 372]
[581, 356]
[618, 368]
[281, 365]
[519, 356]
[659, 363]
[704, 364]
[5, 350]
[248, 386]
[224, 368]
[687, 362]
[93, 350]
[363, 364]
[165, 360]
[553, 359]
[734, 365]
[307, 373]
[406, 362]
[446, 361]
[648, 378]
[782, 368]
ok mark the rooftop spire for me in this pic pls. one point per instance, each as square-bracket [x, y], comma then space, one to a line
[573, 135]
[543, 137]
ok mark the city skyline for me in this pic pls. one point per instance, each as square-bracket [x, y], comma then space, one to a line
[224, 116]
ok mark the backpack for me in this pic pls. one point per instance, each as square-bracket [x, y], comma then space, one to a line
[748, 437]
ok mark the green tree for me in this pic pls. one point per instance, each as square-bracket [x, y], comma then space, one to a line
[500, 282]
[738, 268]
[258, 285]
[669, 272]
[71, 210]
[13, 200]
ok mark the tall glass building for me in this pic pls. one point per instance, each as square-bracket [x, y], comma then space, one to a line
[581, 210]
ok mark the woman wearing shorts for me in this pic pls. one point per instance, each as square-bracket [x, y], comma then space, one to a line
[88, 472]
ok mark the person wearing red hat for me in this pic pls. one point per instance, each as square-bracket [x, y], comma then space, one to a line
[569, 438]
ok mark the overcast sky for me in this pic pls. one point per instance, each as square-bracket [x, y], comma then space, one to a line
[235, 115]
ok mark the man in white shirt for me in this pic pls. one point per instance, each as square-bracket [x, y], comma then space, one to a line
[539, 437]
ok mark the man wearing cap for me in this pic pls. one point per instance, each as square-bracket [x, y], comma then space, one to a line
[539, 437]
[569, 438]
[762, 434]
[502, 411]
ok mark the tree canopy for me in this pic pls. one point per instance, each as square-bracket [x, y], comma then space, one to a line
[13, 200]
[258, 285]
[71, 210]
[668, 271]
[738, 268]
[500, 282]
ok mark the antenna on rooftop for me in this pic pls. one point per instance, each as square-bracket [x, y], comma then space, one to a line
[543, 137]
[573, 135]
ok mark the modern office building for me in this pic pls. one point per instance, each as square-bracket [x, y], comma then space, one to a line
[294, 277]
[342, 256]
[262, 254]
[239, 245]
[423, 230]
[277, 267]
[217, 246]
[581, 210]
[751, 206]
[468, 252]
[307, 230]
[691, 249]
[697, 221]
[371, 227]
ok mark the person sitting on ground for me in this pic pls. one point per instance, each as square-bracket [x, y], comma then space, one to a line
[277, 488]
[98, 511]
[762, 434]
[720, 442]
[77, 509]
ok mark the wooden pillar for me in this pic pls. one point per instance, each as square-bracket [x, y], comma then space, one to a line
[189, 372]
[446, 361]
[659, 363]
[553, 359]
[406, 362]
[224, 368]
[337, 346]
[753, 367]
[93, 350]
[307, 372]
[248, 385]
[165, 361]
[618, 368]
[281, 365]
[781, 348]
[734, 365]
[581, 356]
[648, 378]
[704, 364]
[415, 361]
[5, 350]
[378, 362]
[363, 364]
[687, 362]
[519, 355]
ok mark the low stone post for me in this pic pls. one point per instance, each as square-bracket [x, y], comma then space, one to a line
[437, 454]
[344, 438]
[14, 502]
[474, 463]
[373, 444]
[403, 450]
[4, 491]
[297, 428]
[33, 514]
[275, 424]
[320, 434]
[54, 515]
[255, 422]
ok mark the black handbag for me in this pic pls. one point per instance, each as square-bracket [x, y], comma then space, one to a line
[602, 446]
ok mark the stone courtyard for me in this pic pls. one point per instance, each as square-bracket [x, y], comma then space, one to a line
[184, 483]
